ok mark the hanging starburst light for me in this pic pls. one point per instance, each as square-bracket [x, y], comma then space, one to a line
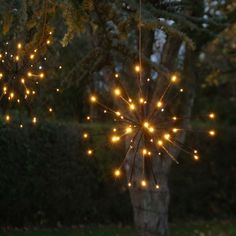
[149, 128]
[147, 121]
[21, 72]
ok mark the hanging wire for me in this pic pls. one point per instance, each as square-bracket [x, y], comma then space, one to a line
[140, 42]
[140, 48]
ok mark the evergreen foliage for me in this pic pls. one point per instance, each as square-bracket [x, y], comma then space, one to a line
[47, 181]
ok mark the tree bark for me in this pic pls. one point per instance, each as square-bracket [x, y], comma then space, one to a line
[150, 205]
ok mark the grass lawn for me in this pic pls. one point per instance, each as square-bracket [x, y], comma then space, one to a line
[181, 229]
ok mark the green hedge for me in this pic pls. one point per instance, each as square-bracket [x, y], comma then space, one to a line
[45, 178]
[206, 188]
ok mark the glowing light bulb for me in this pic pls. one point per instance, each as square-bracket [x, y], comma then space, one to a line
[89, 152]
[93, 99]
[85, 135]
[50, 109]
[129, 184]
[212, 132]
[145, 151]
[159, 104]
[174, 118]
[88, 118]
[146, 124]
[137, 68]
[175, 130]
[41, 75]
[34, 120]
[151, 129]
[211, 116]
[17, 58]
[22, 81]
[157, 186]
[128, 130]
[160, 142]
[29, 74]
[132, 106]
[118, 113]
[21, 126]
[117, 75]
[115, 139]
[27, 91]
[31, 56]
[58, 90]
[19, 45]
[7, 118]
[1, 75]
[48, 42]
[12, 95]
[117, 173]
[4, 89]
[196, 157]
[173, 78]
[117, 92]
[167, 136]
[143, 183]
[141, 100]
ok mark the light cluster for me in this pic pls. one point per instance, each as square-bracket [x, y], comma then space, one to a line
[148, 125]
[21, 71]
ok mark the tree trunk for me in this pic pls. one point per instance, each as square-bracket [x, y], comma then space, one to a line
[150, 205]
